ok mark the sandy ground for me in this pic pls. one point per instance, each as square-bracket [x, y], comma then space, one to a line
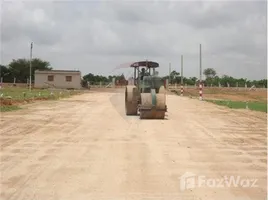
[85, 147]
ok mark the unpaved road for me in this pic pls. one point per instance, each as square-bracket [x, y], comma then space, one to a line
[86, 148]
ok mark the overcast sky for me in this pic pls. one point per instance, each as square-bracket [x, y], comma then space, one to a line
[96, 37]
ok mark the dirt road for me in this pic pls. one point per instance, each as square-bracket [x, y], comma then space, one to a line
[85, 147]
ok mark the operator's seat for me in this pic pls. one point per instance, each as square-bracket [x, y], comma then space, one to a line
[143, 73]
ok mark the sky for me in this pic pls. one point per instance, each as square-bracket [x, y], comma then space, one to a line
[104, 37]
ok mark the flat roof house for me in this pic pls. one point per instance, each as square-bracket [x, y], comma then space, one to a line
[63, 79]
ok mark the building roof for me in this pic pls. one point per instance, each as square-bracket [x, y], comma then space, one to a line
[57, 71]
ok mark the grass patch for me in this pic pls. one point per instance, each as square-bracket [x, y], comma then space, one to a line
[24, 93]
[257, 106]
[10, 97]
[9, 108]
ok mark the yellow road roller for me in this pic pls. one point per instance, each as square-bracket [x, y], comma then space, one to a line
[146, 96]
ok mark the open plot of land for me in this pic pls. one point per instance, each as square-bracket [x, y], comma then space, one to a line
[232, 97]
[84, 147]
[240, 94]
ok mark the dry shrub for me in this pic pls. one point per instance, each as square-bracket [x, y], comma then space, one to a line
[5, 101]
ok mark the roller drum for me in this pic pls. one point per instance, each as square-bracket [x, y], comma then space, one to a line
[131, 103]
[148, 110]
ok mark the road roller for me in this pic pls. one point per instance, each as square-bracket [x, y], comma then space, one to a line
[145, 95]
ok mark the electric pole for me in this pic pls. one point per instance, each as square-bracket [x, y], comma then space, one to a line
[181, 69]
[169, 71]
[200, 78]
[31, 50]
[200, 81]
[181, 75]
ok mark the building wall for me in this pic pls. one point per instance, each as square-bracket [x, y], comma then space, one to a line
[41, 80]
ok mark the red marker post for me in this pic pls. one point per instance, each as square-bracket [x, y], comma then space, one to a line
[200, 91]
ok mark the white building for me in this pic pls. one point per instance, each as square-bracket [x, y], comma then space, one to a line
[64, 79]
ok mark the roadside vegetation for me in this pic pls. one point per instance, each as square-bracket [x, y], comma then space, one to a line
[7, 108]
[11, 97]
[257, 106]
[231, 97]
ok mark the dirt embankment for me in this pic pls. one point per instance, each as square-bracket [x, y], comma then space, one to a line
[10, 101]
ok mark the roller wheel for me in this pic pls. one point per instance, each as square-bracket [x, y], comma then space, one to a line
[131, 103]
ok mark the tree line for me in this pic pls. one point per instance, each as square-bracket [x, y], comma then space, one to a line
[19, 69]
[212, 79]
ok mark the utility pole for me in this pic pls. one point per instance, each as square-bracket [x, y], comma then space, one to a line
[31, 51]
[200, 78]
[181, 75]
[169, 70]
[181, 69]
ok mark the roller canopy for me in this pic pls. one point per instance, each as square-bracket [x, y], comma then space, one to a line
[148, 64]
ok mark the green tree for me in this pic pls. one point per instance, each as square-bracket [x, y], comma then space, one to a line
[20, 68]
[174, 77]
[89, 77]
[260, 83]
[165, 78]
[209, 73]
[5, 74]
[95, 79]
